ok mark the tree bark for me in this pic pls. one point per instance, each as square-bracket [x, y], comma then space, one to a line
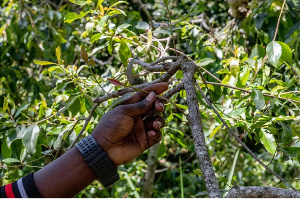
[261, 192]
[150, 175]
[194, 118]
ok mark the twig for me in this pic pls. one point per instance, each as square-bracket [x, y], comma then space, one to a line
[237, 138]
[272, 158]
[278, 21]
[277, 26]
[164, 78]
[47, 117]
[87, 120]
[170, 22]
[163, 59]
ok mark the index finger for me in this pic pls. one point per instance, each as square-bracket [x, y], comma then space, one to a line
[157, 88]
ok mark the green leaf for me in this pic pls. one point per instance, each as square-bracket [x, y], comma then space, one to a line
[10, 160]
[81, 2]
[162, 32]
[205, 61]
[259, 51]
[180, 142]
[70, 17]
[84, 54]
[5, 149]
[95, 37]
[258, 99]
[287, 135]
[286, 53]
[23, 154]
[43, 62]
[149, 37]
[274, 52]
[197, 172]
[244, 76]
[99, 3]
[129, 70]
[214, 131]
[5, 104]
[223, 71]
[122, 27]
[124, 52]
[228, 184]
[120, 100]
[58, 53]
[117, 3]
[30, 138]
[71, 100]
[268, 141]
[143, 25]
[103, 21]
[162, 149]
[53, 68]
[22, 108]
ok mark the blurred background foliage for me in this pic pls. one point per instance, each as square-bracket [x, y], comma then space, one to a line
[48, 84]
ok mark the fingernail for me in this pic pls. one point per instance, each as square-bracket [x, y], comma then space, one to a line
[162, 105]
[159, 124]
[152, 133]
[150, 97]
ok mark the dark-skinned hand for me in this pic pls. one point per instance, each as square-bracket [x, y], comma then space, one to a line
[122, 132]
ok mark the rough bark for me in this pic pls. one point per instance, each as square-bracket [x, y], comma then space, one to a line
[150, 175]
[261, 192]
[195, 123]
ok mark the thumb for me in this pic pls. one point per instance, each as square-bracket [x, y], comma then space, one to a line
[141, 107]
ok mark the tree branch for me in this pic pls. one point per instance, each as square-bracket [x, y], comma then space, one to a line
[261, 192]
[164, 78]
[194, 119]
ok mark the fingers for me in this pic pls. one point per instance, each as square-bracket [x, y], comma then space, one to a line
[141, 107]
[154, 137]
[156, 88]
[159, 105]
[154, 123]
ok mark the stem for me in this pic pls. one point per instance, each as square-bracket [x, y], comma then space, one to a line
[170, 22]
[87, 120]
[278, 21]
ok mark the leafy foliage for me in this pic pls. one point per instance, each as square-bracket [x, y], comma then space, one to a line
[56, 57]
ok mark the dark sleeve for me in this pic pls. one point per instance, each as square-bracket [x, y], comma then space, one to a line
[23, 188]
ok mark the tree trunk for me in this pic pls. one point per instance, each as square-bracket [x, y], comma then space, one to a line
[194, 118]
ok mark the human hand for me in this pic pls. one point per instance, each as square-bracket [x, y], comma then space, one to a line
[123, 134]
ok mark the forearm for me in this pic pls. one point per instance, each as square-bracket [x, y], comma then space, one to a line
[64, 177]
